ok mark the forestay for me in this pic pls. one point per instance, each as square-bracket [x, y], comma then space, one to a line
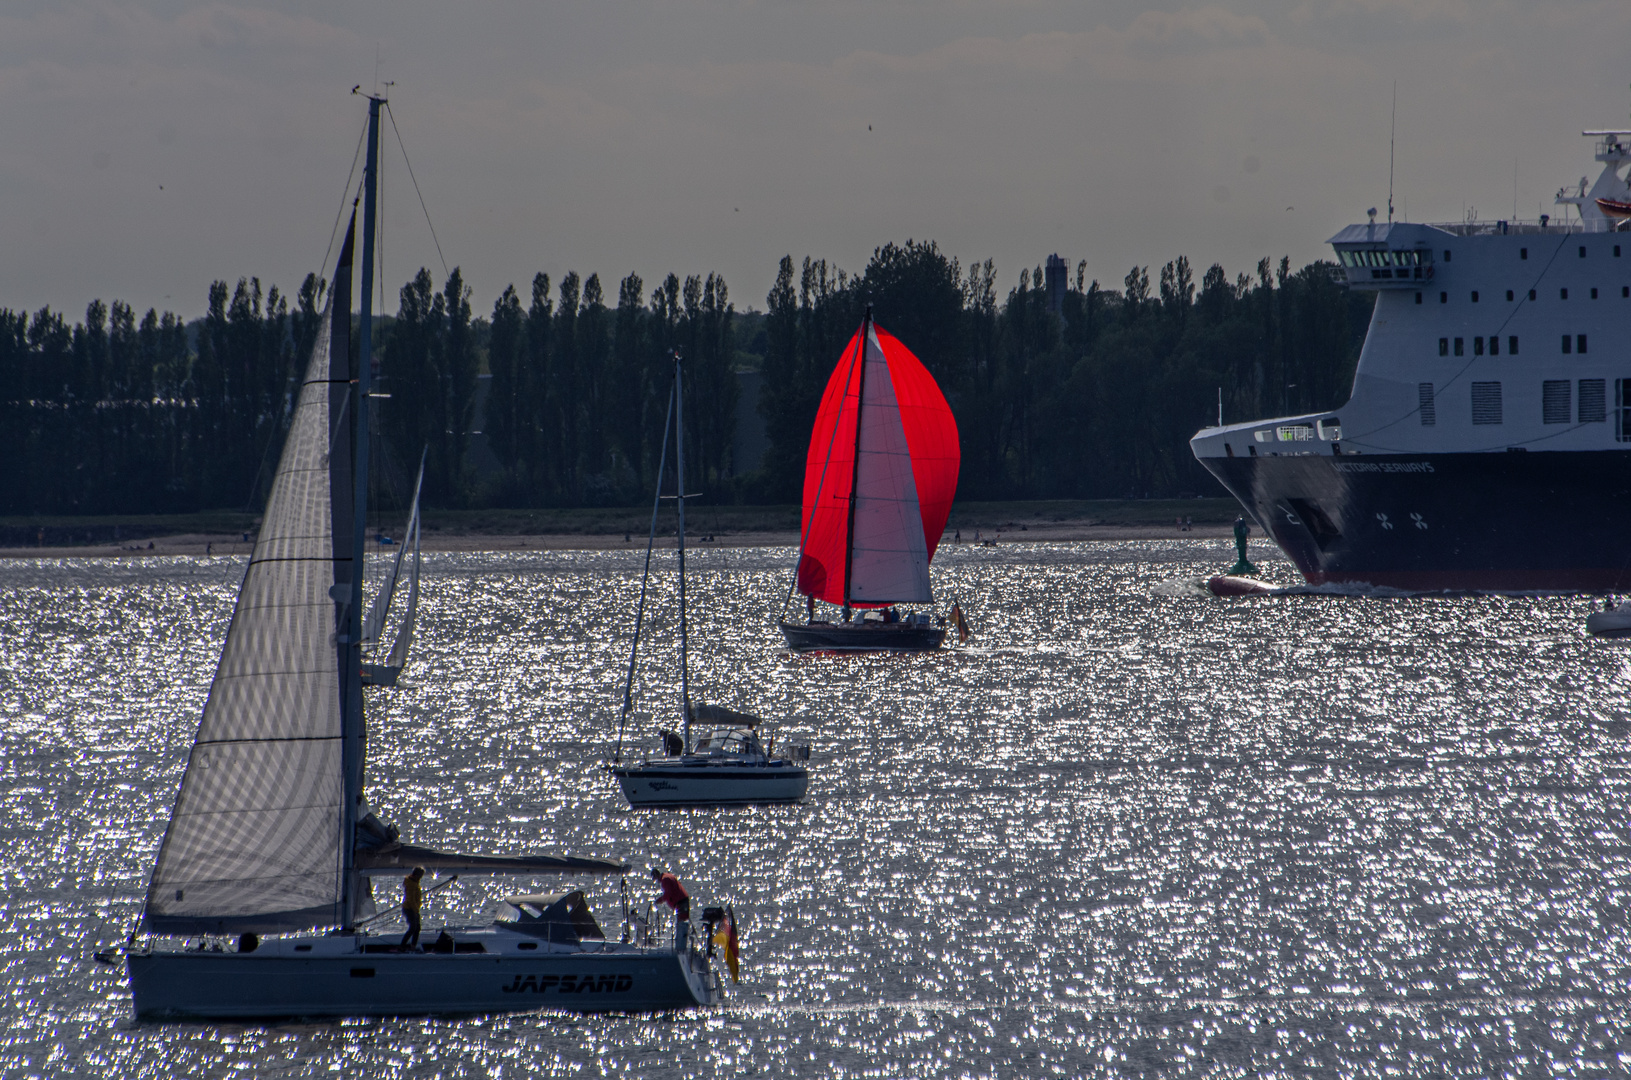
[254, 842]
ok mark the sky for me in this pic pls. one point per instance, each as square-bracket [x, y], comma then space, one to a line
[148, 148]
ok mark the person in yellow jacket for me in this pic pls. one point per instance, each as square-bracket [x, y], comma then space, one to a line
[412, 896]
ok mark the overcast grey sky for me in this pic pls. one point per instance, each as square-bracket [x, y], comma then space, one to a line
[148, 148]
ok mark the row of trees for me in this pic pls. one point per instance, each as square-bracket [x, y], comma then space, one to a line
[1077, 391]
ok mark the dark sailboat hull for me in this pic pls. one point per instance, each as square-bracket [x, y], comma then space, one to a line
[1495, 522]
[863, 637]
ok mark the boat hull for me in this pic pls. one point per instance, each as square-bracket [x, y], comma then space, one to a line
[658, 785]
[210, 985]
[863, 637]
[1616, 623]
[380, 674]
[1495, 522]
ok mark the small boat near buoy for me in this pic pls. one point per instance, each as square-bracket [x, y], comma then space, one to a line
[1613, 621]
[1236, 585]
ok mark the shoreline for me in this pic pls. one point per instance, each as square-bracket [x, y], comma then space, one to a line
[459, 541]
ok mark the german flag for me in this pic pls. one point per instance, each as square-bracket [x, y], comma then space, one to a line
[725, 938]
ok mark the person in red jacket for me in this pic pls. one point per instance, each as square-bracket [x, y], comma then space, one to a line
[675, 896]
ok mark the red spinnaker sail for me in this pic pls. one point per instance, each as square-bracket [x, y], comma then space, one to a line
[931, 439]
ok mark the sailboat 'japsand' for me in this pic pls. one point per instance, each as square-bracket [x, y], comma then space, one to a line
[270, 833]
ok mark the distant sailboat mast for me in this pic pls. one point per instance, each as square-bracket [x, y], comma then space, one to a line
[855, 469]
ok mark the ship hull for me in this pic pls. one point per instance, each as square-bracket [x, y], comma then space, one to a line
[212, 985]
[1496, 522]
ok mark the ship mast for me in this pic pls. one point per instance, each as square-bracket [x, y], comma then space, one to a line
[855, 471]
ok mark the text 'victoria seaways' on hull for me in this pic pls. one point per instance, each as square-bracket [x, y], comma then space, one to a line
[1487, 441]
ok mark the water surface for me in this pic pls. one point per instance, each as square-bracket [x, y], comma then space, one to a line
[1122, 833]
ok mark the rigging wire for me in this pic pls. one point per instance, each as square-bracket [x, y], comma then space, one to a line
[640, 612]
[416, 190]
[322, 267]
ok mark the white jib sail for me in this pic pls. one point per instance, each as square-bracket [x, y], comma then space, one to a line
[374, 622]
[890, 563]
[254, 841]
[404, 634]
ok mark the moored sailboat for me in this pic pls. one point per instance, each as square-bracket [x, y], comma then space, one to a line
[727, 763]
[270, 833]
[878, 486]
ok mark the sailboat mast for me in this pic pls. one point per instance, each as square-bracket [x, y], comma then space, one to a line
[353, 726]
[679, 475]
[855, 474]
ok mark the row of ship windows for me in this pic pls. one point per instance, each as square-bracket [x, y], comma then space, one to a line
[1557, 404]
[1416, 257]
[1523, 253]
[1572, 343]
[1562, 294]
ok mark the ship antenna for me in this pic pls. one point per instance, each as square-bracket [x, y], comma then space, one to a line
[1393, 127]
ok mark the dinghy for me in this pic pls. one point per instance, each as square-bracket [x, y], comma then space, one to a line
[878, 486]
[726, 764]
[1613, 621]
[270, 833]
[385, 673]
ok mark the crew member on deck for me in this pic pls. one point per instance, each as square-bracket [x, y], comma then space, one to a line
[675, 896]
[412, 897]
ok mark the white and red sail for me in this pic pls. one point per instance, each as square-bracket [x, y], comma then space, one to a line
[885, 434]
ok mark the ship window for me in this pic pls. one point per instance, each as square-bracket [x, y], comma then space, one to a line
[1555, 405]
[1478, 346]
[1531, 294]
[1580, 343]
[1228, 451]
[1594, 294]
[1295, 433]
[1446, 255]
[1486, 403]
[1424, 394]
[1444, 298]
[1458, 347]
[1625, 290]
[1512, 345]
[1475, 296]
[1331, 429]
[1582, 251]
[1444, 346]
[1562, 294]
[1593, 406]
[1523, 253]
[1567, 342]
[1509, 294]
[1622, 410]
[1616, 251]
[1418, 298]
[1252, 450]
[1495, 344]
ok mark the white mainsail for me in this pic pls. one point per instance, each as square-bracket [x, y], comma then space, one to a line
[890, 560]
[254, 842]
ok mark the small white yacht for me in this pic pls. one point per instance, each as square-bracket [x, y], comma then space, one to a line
[726, 764]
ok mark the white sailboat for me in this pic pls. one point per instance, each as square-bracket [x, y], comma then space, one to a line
[385, 673]
[270, 834]
[727, 763]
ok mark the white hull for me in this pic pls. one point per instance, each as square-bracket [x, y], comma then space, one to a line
[343, 976]
[677, 783]
[1615, 623]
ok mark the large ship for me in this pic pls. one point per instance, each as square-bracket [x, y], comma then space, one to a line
[1486, 444]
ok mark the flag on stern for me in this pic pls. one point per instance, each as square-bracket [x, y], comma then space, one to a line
[725, 938]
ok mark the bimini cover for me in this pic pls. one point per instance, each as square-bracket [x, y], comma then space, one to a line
[560, 917]
[401, 858]
[723, 717]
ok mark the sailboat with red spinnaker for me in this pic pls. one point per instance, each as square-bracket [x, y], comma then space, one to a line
[879, 481]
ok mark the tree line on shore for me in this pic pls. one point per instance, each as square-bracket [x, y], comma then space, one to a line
[1061, 390]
